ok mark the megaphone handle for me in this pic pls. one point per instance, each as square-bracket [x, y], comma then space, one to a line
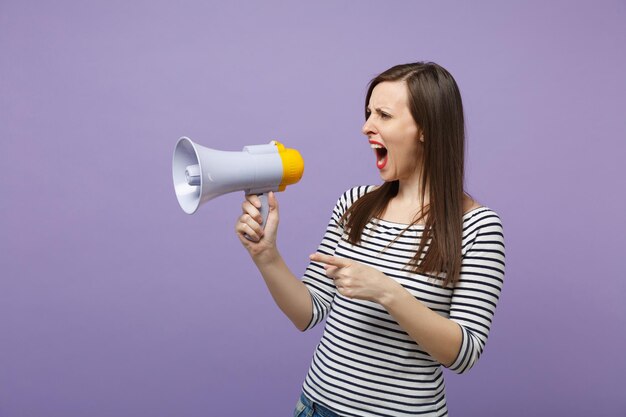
[265, 208]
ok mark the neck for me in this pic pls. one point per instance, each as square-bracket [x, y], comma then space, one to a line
[408, 200]
[410, 192]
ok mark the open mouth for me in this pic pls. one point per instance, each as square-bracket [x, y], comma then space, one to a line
[381, 154]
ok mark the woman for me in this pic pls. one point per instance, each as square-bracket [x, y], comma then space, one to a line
[408, 273]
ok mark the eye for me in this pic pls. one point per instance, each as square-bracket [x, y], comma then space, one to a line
[384, 115]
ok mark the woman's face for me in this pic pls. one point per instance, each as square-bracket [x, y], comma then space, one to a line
[392, 132]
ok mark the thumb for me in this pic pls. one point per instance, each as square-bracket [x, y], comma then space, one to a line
[272, 216]
[272, 202]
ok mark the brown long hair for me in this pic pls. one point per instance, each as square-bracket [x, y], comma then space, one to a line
[435, 104]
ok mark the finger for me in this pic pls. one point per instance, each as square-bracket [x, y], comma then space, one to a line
[331, 272]
[272, 201]
[329, 260]
[247, 232]
[248, 208]
[254, 200]
[272, 220]
[346, 292]
[252, 224]
[343, 290]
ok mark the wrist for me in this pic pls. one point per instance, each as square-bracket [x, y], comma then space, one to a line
[266, 257]
[391, 292]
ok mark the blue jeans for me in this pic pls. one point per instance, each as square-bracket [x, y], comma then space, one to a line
[307, 408]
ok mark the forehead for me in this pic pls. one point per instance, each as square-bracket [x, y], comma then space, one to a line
[391, 94]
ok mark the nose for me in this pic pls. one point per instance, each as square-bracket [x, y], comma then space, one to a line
[368, 128]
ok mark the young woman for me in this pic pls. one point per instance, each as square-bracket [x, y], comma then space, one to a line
[408, 273]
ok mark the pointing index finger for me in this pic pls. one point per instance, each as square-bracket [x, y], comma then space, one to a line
[329, 260]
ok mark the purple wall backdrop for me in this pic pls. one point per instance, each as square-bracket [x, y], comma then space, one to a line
[113, 302]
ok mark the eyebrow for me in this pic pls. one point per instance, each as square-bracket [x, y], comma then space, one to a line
[380, 109]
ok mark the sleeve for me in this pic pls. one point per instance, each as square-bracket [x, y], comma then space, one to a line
[322, 288]
[476, 294]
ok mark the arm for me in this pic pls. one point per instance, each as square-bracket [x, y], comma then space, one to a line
[289, 293]
[476, 295]
[437, 335]
[457, 341]
[305, 302]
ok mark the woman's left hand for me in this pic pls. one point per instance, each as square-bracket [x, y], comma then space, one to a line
[355, 280]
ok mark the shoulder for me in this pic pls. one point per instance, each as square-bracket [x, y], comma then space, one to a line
[479, 217]
[482, 224]
[353, 194]
[470, 204]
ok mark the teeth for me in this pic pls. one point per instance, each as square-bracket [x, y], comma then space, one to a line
[375, 146]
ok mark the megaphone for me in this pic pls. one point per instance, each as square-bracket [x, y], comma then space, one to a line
[200, 174]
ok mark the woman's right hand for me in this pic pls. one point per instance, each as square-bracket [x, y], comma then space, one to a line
[262, 242]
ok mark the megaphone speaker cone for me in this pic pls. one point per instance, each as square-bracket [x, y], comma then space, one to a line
[188, 194]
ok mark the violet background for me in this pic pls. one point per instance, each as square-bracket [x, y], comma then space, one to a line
[113, 302]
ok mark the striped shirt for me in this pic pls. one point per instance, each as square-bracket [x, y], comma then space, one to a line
[366, 364]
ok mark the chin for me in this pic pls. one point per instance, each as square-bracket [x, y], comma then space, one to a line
[386, 177]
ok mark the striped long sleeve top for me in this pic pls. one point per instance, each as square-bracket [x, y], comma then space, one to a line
[365, 364]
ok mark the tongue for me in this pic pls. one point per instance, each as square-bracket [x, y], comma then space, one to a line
[380, 163]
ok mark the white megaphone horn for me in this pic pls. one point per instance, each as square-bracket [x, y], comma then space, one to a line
[201, 174]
